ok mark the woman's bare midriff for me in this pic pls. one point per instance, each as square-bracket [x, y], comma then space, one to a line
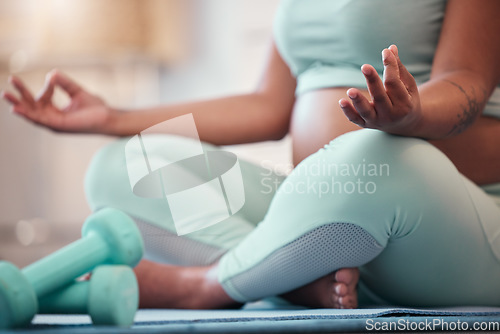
[317, 119]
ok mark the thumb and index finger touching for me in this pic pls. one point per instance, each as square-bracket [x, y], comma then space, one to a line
[56, 78]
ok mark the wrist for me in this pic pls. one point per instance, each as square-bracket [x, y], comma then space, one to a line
[418, 127]
[113, 125]
[413, 125]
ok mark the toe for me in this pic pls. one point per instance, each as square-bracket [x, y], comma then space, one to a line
[340, 289]
[348, 302]
[346, 280]
[335, 301]
[347, 275]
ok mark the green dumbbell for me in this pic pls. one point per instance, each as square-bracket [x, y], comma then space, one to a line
[110, 297]
[109, 237]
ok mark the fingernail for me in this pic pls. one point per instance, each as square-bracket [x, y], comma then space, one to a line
[337, 289]
[51, 73]
[352, 94]
[384, 54]
[365, 70]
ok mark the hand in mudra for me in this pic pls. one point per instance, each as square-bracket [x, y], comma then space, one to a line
[395, 105]
[84, 113]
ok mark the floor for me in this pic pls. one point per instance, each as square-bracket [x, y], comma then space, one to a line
[260, 318]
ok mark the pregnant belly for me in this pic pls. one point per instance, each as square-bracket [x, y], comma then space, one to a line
[316, 120]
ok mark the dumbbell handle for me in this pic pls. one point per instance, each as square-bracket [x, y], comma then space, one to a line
[69, 300]
[67, 263]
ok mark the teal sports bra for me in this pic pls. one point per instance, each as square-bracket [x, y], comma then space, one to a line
[325, 42]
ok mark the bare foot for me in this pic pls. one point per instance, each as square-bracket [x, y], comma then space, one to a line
[166, 286]
[336, 290]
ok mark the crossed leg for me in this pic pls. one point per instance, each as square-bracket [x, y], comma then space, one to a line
[304, 240]
[166, 285]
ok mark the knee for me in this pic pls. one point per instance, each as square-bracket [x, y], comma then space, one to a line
[366, 161]
[106, 173]
[371, 145]
[115, 167]
[373, 153]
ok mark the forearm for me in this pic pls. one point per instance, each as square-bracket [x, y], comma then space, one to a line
[475, 152]
[229, 120]
[450, 103]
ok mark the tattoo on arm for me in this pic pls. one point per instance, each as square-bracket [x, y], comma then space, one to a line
[469, 110]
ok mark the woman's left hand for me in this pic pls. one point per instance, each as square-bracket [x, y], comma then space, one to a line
[395, 105]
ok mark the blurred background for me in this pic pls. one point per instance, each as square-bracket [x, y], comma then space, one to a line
[132, 53]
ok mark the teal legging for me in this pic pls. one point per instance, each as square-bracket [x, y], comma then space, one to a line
[421, 233]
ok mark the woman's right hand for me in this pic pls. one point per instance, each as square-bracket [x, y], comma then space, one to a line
[85, 113]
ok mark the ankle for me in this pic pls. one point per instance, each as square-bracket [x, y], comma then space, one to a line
[212, 294]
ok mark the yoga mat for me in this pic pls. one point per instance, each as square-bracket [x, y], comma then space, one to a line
[275, 317]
